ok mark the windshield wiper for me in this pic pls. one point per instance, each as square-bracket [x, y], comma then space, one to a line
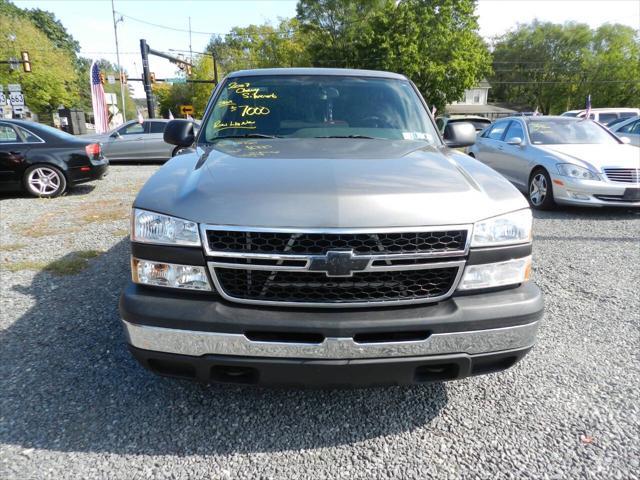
[247, 135]
[349, 136]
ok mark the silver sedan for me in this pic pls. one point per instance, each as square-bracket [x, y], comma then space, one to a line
[629, 128]
[137, 141]
[562, 160]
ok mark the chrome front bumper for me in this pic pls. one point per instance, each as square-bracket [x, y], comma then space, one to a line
[586, 192]
[198, 343]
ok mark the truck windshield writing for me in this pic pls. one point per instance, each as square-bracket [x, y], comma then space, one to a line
[301, 106]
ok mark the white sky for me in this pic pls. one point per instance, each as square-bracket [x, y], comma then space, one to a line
[90, 21]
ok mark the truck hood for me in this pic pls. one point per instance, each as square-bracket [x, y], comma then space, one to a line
[596, 156]
[346, 183]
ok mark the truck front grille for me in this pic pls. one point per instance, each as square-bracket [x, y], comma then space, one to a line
[321, 243]
[317, 288]
[335, 267]
[623, 175]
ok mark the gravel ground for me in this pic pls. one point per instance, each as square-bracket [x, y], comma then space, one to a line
[74, 404]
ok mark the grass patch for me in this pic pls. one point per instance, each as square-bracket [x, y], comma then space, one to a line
[69, 265]
[121, 232]
[61, 222]
[46, 230]
[11, 247]
[24, 265]
[98, 212]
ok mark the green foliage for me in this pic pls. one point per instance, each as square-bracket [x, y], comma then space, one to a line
[434, 42]
[170, 97]
[51, 81]
[556, 66]
[260, 46]
[48, 24]
[335, 29]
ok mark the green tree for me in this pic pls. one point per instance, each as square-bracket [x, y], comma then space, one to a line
[434, 42]
[554, 67]
[334, 27]
[48, 24]
[51, 81]
[260, 46]
[613, 68]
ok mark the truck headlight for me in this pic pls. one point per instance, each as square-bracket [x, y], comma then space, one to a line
[151, 227]
[488, 275]
[161, 274]
[514, 227]
[574, 171]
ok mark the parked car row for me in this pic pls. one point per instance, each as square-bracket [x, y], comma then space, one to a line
[605, 116]
[45, 161]
[563, 159]
[136, 141]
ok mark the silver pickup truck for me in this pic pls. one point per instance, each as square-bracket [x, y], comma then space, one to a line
[322, 232]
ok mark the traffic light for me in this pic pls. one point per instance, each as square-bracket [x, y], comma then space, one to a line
[152, 77]
[102, 78]
[123, 78]
[26, 63]
[188, 69]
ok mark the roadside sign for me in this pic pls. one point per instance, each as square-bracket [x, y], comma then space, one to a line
[16, 99]
[111, 79]
[110, 98]
[186, 109]
[14, 87]
[176, 80]
[18, 110]
[3, 99]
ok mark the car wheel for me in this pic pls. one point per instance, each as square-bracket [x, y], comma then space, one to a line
[176, 151]
[44, 181]
[472, 155]
[541, 190]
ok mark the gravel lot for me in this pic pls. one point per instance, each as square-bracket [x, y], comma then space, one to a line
[74, 404]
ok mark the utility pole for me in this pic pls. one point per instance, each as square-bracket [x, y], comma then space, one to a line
[146, 77]
[121, 71]
[190, 51]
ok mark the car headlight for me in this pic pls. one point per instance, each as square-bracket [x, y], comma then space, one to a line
[506, 229]
[151, 227]
[574, 171]
[489, 275]
[161, 274]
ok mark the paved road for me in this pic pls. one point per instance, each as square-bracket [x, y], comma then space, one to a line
[73, 404]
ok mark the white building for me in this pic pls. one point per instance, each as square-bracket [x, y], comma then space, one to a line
[475, 102]
[478, 95]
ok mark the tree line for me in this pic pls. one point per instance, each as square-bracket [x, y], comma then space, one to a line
[60, 75]
[436, 43]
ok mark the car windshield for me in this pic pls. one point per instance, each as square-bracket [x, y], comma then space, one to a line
[308, 106]
[561, 131]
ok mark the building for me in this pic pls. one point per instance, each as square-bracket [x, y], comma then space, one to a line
[476, 102]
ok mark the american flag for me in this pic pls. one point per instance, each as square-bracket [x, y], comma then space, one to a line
[588, 107]
[100, 113]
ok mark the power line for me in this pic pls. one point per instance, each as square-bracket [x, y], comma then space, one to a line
[284, 34]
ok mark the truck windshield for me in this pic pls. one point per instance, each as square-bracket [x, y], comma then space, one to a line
[312, 106]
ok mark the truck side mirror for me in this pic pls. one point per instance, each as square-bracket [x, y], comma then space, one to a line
[459, 134]
[179, 132]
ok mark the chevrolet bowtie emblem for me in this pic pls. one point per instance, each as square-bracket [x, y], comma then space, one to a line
[339, 264]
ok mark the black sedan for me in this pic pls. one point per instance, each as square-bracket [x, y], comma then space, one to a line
[45, 161]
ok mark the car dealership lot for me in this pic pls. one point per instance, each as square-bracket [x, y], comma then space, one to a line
[74, 404]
